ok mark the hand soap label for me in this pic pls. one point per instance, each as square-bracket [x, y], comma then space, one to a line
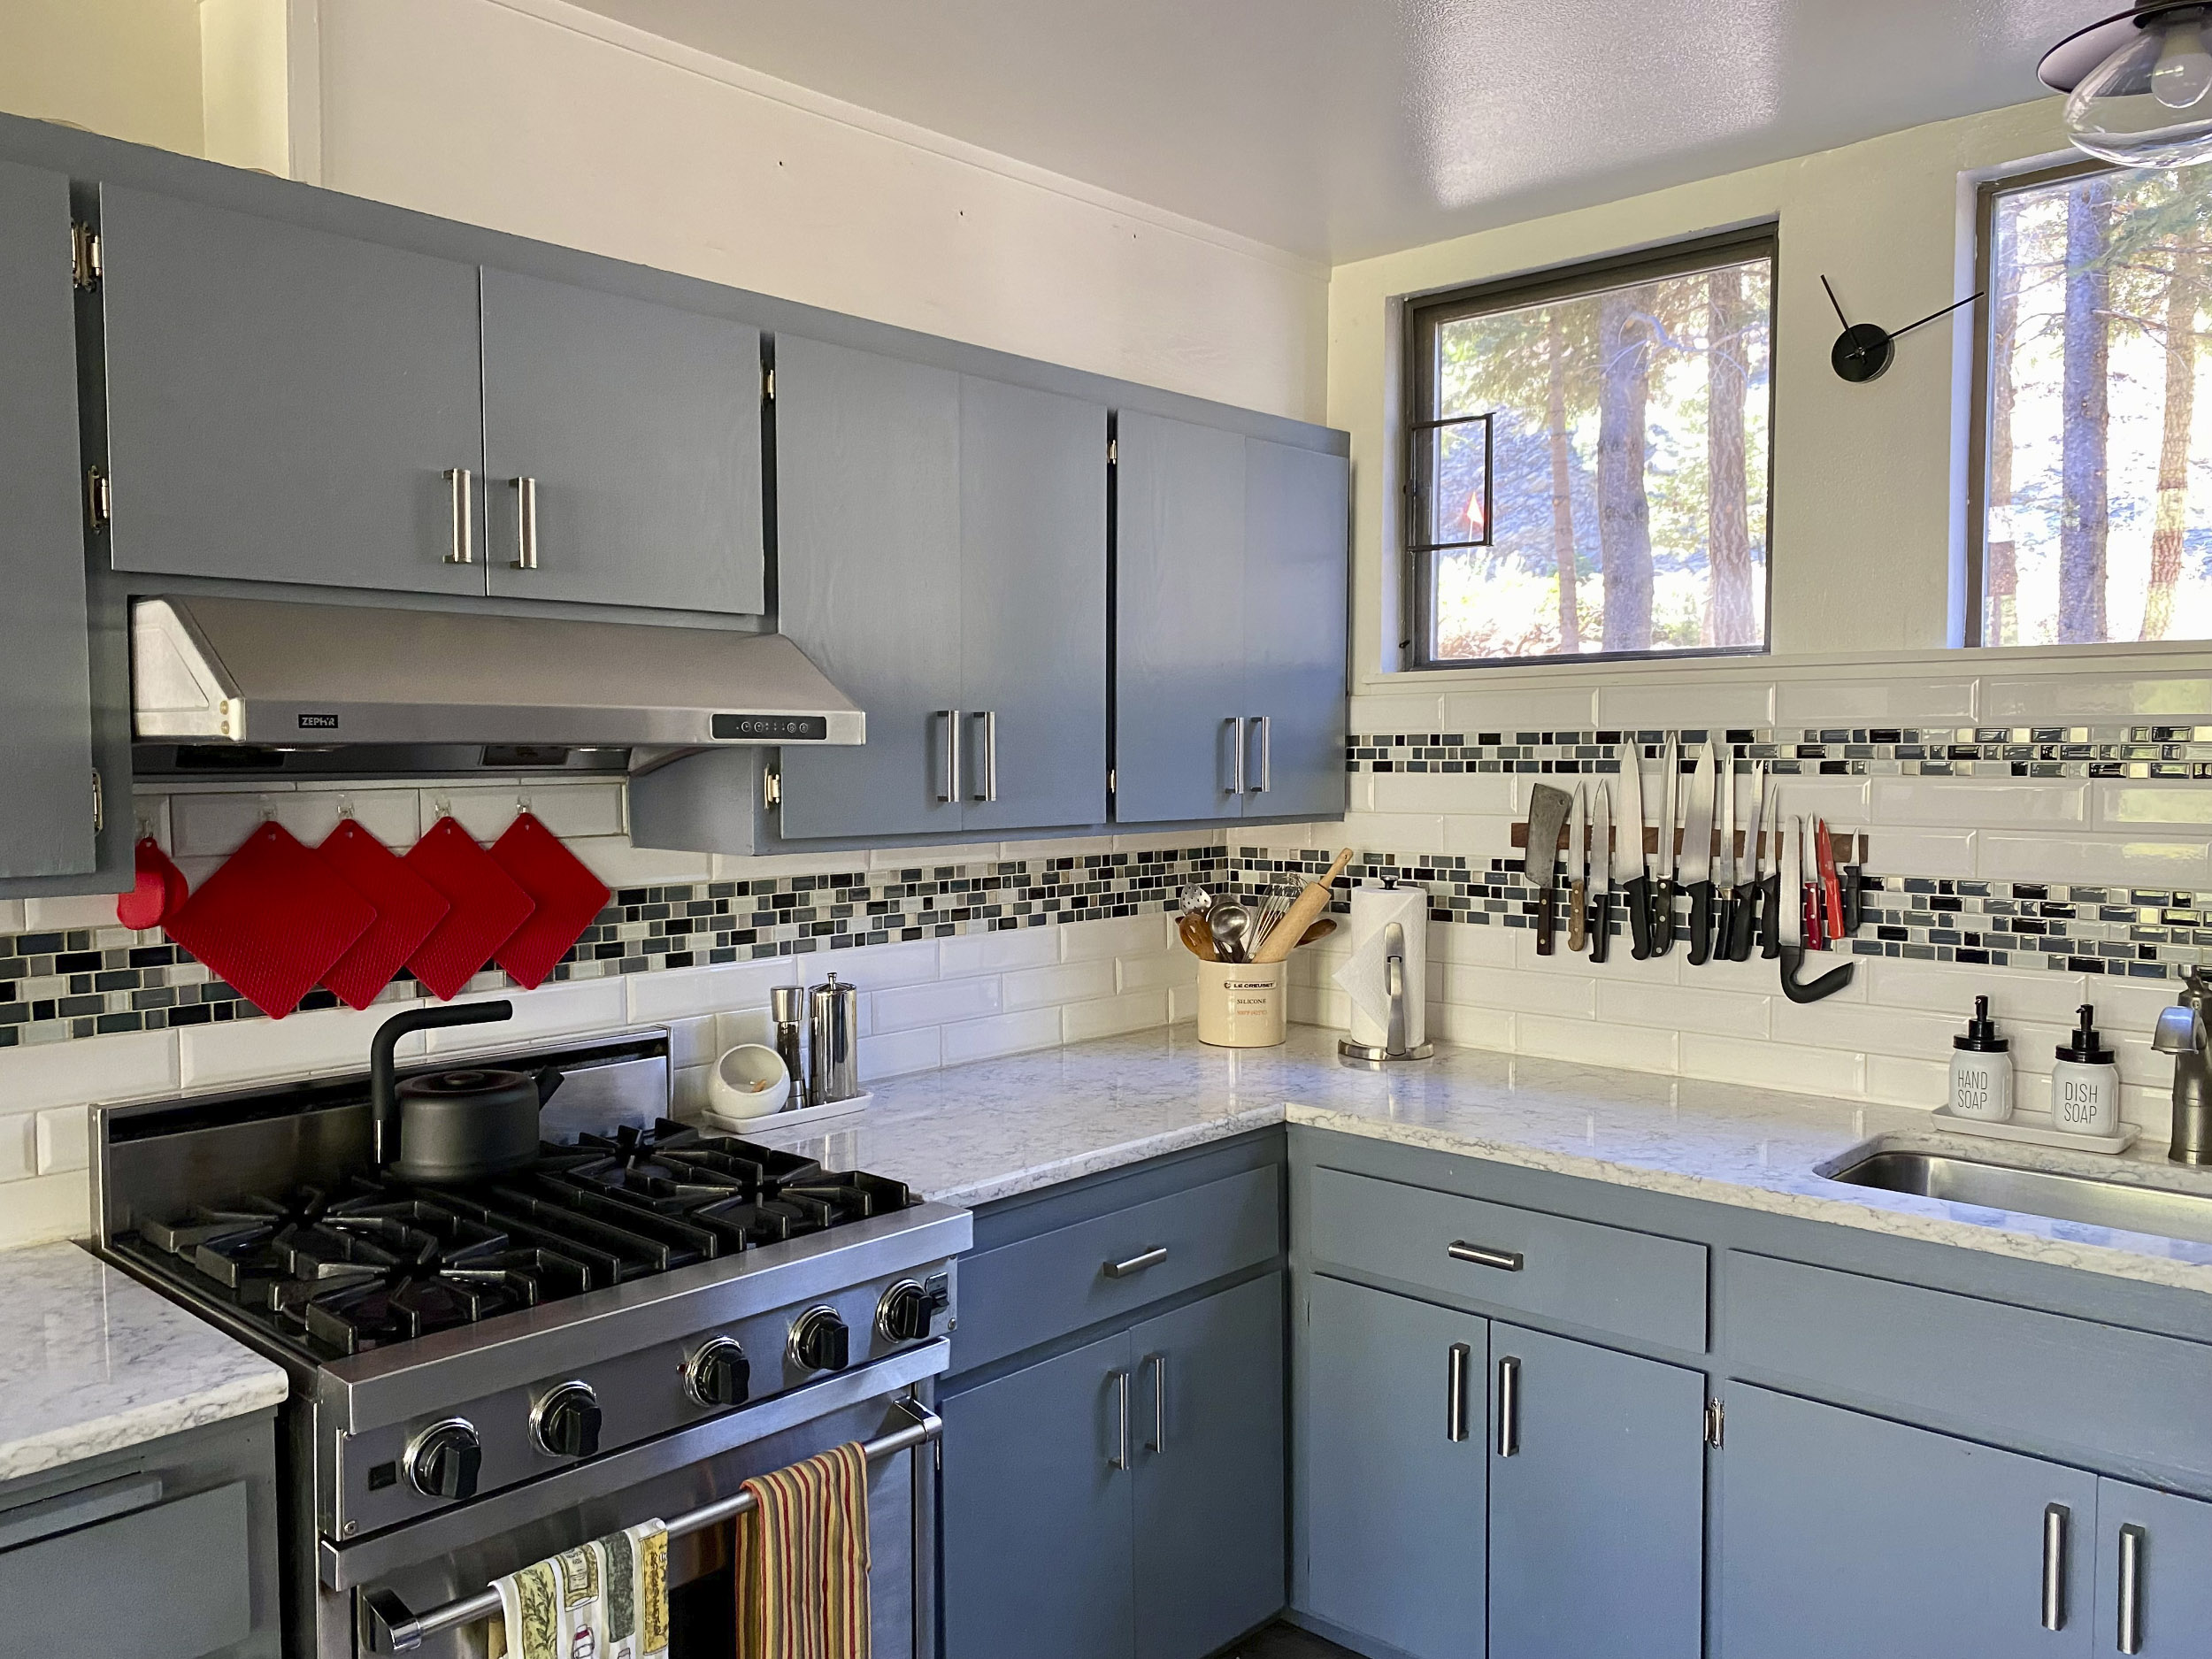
[1981, 1086]
[2084, 1099]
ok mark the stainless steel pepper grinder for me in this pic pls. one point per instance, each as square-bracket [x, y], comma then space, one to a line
[833, 1025]
[785, 1003]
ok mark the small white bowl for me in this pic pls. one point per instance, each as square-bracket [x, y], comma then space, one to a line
[751, 1080]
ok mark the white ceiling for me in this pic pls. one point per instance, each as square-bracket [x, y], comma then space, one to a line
[1340, 128]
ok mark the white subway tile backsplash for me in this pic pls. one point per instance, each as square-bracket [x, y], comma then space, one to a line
[1896, 1081]
[1476, 793]
[1647, 705]
[1399, 832]
[1136, 1010]
[1396, 714]
[1559, 994]
[2120, 805]
[1475, 1028]
[892, 1054]
[618, 864]
[685, 993]
[1165, 969]
[1789, 1067]
[19, 1151]
[62, 1144]
[1507, 708]
[130, 1066]
[1902, 701]
[935, 1004]
[1972, 804]
[2180, 694]
[569, 809]
[1001, 1033]
[1065, 982]
[995, 952]
[1637, 1047]
[1117, 936]
[2139, 861]
[214, 825]
[1681, 1008]
[1922, 852]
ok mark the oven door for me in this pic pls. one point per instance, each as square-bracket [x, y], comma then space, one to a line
[428, 1565]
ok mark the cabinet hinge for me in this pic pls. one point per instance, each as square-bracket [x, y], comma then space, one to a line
[768, 386]
[771, 788]
[84, 256]
[99, 803]
[1113, 450]
[1716, 1423]
[99, 498]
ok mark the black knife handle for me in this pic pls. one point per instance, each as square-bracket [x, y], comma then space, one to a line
[1664, 893]
[1854, 886]
[1744, 922]
[1770, 917]
[1701, 922]
[1601, 924]
[1637, 897]
[1543, 917]
[1724, 919]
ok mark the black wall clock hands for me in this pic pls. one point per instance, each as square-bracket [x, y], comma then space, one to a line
[1863, 350]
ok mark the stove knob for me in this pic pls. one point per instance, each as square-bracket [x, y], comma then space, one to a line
[908, 1310]
[565, 1420]
[819, 1340]
[443, 1460]
[719, 1374]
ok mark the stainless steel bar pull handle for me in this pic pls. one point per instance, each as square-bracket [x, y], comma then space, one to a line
[948, 788]
[1483, 1255]
[1267, 750]
[1455, 1392]
[2055, 1517]
[464, 522]
[1138, 1262]
[1236, 755]
[1508, 1408]
[1120, 1379]
[525, 524]
[2132, 1538]
[987, 785]
[1157, 1363]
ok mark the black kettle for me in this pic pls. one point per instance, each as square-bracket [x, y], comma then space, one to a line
[456, 1125]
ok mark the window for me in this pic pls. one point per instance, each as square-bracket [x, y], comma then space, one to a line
[1587, 459]
[2094, 522]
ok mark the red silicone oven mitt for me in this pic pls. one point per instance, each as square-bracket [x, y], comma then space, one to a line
[568, 897]
[487, 908]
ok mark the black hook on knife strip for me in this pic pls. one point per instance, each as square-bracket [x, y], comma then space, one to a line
[1827, 985]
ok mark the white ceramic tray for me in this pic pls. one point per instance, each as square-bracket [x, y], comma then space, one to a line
[2036, 1128]
[785, 1120]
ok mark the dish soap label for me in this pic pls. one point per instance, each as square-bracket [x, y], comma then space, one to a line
[1981, 1070]
[2085, 1082]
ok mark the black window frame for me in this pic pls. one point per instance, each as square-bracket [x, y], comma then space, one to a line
[1974, 631]
[1424, 313]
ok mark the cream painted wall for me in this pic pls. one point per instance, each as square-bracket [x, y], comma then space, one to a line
[534, 117]
[1869, 483]
[128, 68]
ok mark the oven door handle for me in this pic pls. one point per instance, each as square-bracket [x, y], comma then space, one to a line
[390, 1626]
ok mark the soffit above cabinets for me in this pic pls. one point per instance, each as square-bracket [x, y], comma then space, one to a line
[1341, 128]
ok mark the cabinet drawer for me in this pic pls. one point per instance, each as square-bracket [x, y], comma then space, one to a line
[1580, 1272]
[165, 1583]
[1985, 1368]
[1035, 1289]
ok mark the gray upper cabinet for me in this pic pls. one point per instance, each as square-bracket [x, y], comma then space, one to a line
[46, 742]
[1231, 565]
[621, 450]
[1033, 620]
[283, 403]
[868, 544]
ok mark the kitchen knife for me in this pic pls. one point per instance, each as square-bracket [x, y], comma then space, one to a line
[1546, 812]
[1694, 867]
[1629, 867]
[1668, 881]
[1830, 889]
[1602, 869]
[1792, 933]
[1725, 856]
[1749, 886]
[1771, 892]
[1577, 871]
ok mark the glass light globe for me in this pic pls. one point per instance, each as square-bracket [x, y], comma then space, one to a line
[2150, 104]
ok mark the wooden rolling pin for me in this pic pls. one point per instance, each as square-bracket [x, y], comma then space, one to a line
[1304, 911]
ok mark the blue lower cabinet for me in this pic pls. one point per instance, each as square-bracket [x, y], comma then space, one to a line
[1210, 1471]
[1038, 1533]
[2154, 1591]
[1844, 1536]
[1392, 1467]
[1597, 1502]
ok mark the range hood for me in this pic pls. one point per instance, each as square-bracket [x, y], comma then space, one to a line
[212, 674]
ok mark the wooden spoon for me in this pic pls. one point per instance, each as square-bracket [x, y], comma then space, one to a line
[1197, 937]
[1321, 929]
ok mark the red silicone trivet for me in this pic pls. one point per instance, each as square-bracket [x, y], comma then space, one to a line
[488, 907]
[271, 921]
[568, 897]
[408, 908]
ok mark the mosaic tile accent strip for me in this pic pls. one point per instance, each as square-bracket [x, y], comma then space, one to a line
[1985, 751]
[55, 986]
[2131, 932]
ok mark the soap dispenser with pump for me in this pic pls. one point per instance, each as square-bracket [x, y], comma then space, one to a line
[2085, 1082]
[1981, 1070]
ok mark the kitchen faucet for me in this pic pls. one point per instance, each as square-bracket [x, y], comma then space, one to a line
[2181, 1032]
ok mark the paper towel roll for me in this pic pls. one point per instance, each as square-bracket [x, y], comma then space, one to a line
[1365, 978]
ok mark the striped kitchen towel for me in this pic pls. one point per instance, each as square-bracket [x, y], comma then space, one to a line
[802, 1560]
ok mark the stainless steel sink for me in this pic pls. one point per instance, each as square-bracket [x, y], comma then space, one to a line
[2083, 1198]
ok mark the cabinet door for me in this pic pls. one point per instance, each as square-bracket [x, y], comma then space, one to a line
[638, 429]
[1392, 1504]
[1037, 1510]
[1296, 553]
[1178, 643]
[868, 574]
[1597, 1511]
[1843, 1536]
[283, 403]
[2152, 1550]
[1210, 1471]
[45, 674]
[1033, 607]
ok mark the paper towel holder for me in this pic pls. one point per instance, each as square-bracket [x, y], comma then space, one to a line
[1393, 1050]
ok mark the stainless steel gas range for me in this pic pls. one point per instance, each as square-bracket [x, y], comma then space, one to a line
[486, 1373]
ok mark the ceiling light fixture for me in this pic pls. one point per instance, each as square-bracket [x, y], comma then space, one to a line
[2138, 85]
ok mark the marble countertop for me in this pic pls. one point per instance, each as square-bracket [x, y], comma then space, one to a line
[94, 1361]
[989, 1130]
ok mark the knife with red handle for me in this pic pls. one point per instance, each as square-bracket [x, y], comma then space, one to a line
[1830, 890]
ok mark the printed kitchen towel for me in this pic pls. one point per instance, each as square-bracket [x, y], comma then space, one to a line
[604, 1600]
[529, 1623]
[633, 1602]
[802, 1560]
